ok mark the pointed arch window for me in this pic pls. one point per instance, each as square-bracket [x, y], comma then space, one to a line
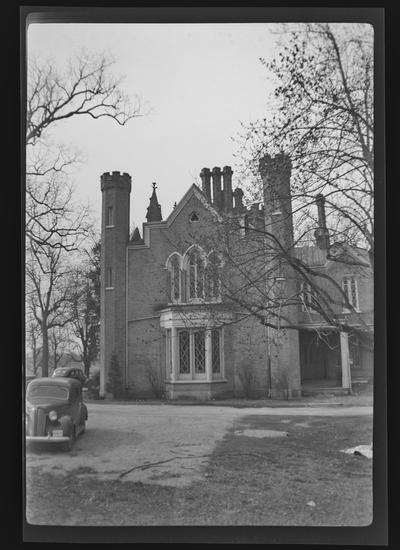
[350, 289]
[174, 267]
[213, 277]
[308, 298]
[195, 275]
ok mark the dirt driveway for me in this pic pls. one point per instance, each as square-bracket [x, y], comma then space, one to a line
[156, 444]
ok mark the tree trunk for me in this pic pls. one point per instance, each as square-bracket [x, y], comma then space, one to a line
[86, 364]
[45, 350]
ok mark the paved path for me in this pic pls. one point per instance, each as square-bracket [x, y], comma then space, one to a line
[122, 439]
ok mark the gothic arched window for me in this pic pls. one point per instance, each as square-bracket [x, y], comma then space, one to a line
[174, 267]
[194, 265]
[195, 276]
[213, 277]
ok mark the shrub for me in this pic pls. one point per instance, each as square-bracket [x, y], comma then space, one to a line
[155, 378]
[93, 385]
[115, 384]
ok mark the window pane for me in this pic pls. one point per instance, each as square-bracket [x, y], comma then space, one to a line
[184, 352]
[110, 215]
[200, 279]
[192, 279]
[199, 352]
[109, 278]
[353, 299]
[175, 280]
[168, 350]
[215, 351]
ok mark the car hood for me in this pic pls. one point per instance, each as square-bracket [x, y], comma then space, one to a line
[48, 404]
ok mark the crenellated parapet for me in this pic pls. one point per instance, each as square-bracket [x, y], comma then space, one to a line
[112, 180]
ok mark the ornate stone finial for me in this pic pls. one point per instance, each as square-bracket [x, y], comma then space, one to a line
[174, 205]
[154, 185]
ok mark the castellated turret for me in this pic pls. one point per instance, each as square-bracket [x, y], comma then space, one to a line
[116, 188]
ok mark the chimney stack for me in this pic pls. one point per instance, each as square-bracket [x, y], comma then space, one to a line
[321, 234]
[238, 196]
[216, 185]
[227, 193]
[205, 176]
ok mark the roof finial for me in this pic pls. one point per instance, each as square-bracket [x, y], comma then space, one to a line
[154, 209]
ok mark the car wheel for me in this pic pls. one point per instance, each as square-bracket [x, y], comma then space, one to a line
[70, 443]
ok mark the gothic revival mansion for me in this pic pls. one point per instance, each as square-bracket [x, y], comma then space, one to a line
[172, 317]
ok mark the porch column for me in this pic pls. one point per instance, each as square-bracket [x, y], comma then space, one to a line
[174, 353]
[208, 354]
[345, 358]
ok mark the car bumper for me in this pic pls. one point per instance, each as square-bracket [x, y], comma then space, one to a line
[46, 439]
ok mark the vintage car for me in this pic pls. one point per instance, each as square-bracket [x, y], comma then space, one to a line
[70, 372]
[55, 412]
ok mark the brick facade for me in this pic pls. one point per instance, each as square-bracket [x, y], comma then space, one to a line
[146, 328]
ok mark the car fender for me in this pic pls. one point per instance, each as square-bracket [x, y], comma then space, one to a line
[67, 424]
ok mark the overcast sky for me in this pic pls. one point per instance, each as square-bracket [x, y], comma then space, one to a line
[200, 80]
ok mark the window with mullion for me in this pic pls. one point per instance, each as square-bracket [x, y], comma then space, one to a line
[199, 352]
[350, 289]
[196, 277]
[215, 351]
[184, 352]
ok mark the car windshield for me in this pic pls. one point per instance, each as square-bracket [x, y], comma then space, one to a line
[55, 392]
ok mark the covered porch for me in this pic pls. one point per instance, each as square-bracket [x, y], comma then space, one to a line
[326, 359]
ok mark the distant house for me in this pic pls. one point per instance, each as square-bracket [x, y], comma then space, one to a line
[163, 311]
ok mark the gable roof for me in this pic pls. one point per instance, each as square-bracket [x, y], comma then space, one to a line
[193, 191]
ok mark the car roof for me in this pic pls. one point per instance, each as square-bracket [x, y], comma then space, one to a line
[56, 381]
[68, 369]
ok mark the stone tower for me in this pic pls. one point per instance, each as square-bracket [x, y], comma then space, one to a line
[116, 188]
[284, 343]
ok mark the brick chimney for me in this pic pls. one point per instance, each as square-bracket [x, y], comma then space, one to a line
[216, 187]
[321, 234]
[227, 192]
[205, 176]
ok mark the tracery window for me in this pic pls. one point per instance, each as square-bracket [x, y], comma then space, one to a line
[213, 277]
[174, 267]
[195, 276]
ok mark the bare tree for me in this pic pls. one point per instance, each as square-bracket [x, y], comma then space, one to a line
[55, 227]
[321, 115]
[85, 88]
[55, 232]
[84, 308]
[33, 337]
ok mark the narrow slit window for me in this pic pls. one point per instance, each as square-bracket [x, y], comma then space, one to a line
[110, 216]
[109, 278]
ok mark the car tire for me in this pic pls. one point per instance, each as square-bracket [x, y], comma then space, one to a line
[67, 447]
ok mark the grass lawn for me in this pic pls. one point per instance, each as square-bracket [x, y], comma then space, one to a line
[301, 478]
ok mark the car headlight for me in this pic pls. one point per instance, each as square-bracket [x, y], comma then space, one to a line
[53, 415]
